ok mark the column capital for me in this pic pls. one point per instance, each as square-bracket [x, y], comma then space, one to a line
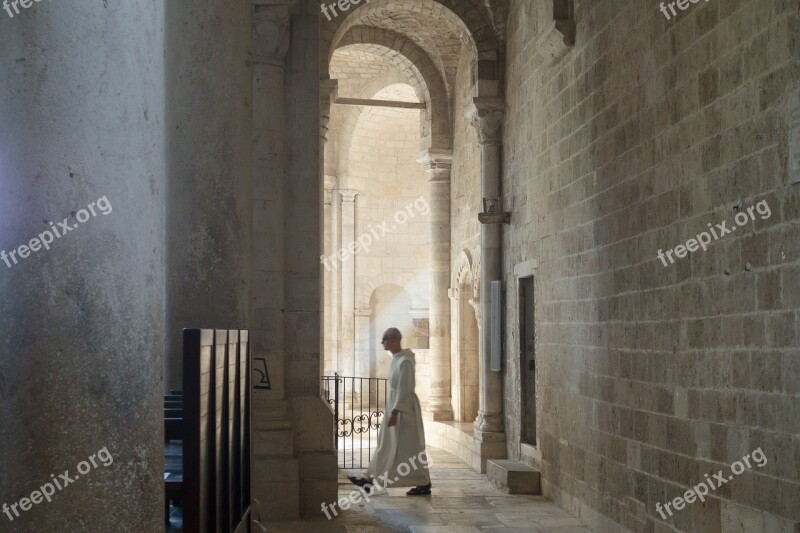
[328, 198]
[348, 195]
[271, 32]
[486, 116]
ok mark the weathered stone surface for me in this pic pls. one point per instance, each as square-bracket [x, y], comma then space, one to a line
[82, 324]
[209, 124]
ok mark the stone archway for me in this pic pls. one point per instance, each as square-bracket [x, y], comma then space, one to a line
[465, 342]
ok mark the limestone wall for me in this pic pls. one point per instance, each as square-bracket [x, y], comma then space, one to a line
[650, 376]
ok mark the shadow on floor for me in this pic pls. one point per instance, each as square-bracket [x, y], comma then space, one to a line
[463, 501]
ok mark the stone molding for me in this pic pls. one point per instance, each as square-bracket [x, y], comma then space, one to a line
[328, 90]
[461, 271]
[437, 163]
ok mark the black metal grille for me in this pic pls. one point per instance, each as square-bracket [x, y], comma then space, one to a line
[359, 406]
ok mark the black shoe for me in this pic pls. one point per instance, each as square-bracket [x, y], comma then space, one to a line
[422, 490]
[361, 482]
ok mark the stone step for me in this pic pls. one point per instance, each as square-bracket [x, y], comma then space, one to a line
[513, 477]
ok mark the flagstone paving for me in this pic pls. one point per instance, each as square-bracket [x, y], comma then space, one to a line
[463, 501]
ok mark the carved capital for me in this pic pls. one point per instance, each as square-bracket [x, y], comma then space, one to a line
[348, 195]
[486, 115]
[328, 198]
[271, 25]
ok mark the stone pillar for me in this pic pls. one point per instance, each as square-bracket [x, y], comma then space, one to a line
[82, 320]
[328, 356]
[335, 279]
[437, 165]
[293, 440]
[327, 93]
[348, 268]
[270, 45]
[210, 172]
[486, 115]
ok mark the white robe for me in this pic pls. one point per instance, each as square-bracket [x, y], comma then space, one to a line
[405, 440]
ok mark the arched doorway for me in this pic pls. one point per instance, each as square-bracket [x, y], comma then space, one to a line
[465, 342]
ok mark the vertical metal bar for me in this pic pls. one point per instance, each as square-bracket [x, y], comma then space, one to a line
[344, 427]
[336, 410]
[361, 435]
[369, 429]
[352, 424]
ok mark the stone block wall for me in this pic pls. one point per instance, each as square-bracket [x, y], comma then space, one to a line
[651, 376]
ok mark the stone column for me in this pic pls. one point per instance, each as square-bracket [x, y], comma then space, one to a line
[486, 115]
[210, 171]
[348, 268]
[437, 165]
[329, 359]
[82, 320]
[327, 93]
[335, 280]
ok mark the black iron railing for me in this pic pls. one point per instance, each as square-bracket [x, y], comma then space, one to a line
[359, 406]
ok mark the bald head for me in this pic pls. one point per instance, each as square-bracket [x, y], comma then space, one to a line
[391, 340]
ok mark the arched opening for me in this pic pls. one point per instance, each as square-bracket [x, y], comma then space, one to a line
[391, 307]
[465, 364]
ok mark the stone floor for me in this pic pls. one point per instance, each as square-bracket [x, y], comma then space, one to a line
[463, 501]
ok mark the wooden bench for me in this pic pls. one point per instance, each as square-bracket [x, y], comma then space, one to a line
[207, 433]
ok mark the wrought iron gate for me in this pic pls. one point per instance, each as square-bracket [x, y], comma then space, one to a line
[359, 406]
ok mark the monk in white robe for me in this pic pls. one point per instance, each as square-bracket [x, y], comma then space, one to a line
[400, 455]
